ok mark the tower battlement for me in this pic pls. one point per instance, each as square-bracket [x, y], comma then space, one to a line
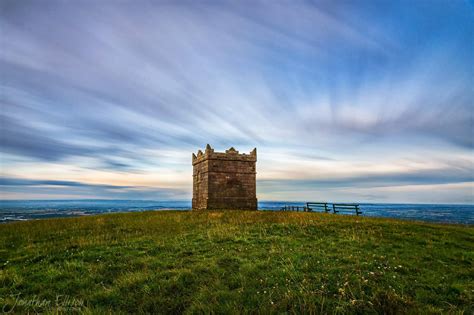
[224, 180]
[230, 155]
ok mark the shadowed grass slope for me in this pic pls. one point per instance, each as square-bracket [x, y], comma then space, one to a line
[236, 261]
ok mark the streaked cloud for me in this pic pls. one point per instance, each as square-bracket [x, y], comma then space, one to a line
[42, 189]
[333, 94]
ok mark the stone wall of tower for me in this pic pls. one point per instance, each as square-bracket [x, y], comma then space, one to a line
[224, 180]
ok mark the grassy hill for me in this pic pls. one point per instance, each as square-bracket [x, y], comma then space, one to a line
[228, 262]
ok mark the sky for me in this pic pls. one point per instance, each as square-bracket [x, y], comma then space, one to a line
[358, 101]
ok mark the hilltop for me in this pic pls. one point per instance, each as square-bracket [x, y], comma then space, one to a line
[236, 261]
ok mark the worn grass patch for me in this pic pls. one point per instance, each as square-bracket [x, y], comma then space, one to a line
[234, 262]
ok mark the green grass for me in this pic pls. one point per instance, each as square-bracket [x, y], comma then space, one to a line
[234, 262]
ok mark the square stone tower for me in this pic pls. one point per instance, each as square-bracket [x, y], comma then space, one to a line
[224, 180]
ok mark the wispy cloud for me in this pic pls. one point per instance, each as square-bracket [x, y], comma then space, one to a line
[370, 180]
[14, 187]
[114, 87]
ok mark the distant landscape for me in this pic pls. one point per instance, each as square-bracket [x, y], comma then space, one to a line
[21, 210]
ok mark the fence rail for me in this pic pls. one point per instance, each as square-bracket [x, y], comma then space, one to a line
[324, 206]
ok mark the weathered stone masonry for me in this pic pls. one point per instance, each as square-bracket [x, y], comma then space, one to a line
[224, 180]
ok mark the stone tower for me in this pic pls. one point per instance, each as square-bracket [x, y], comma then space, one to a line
[224, 180]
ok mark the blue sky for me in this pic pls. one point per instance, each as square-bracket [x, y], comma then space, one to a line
[345, 100]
